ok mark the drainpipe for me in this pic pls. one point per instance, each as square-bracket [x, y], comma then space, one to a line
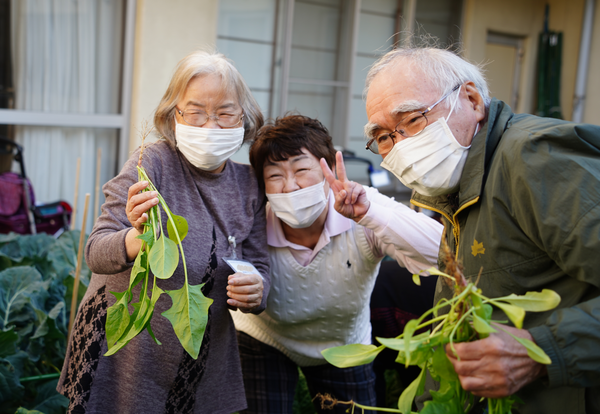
[583, 63]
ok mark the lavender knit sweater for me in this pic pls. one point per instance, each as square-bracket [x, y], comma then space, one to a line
[144, 377]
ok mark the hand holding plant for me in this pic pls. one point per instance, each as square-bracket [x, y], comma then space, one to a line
[157, 258]
[497, 366]
[454, 323]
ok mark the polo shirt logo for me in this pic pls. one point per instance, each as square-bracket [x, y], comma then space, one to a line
[477, 248]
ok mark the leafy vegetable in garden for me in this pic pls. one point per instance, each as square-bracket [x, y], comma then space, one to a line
[36, 284]
[158, 258]
[466, 317]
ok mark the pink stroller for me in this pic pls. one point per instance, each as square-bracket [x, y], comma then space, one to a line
[18, 212]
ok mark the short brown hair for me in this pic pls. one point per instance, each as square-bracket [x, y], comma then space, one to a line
[285, 138]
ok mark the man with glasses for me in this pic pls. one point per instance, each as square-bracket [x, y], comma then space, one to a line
[519, 196]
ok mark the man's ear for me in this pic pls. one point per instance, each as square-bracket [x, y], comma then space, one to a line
[475, 100]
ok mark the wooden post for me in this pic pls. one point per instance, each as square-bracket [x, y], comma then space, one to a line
[73, 216]
[78, 268]
[97, 195]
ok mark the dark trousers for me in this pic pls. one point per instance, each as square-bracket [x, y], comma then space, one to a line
[395, 301]
[270, 380]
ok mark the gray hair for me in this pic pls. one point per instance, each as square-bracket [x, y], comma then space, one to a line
[441, 67]
[203, 63]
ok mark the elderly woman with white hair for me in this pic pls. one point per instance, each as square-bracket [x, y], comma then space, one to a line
[205, 115]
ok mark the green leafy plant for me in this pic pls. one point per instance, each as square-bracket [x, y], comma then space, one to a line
[467, 316]
[36, 285]
[158, 258]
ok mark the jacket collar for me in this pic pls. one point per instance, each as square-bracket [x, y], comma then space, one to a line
[478, 161]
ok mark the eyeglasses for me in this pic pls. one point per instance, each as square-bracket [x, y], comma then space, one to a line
[411, 125]
[198, 118]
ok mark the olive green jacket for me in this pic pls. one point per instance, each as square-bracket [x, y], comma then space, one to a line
[528, 213]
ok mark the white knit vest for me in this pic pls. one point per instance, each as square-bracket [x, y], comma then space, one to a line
[319, 306]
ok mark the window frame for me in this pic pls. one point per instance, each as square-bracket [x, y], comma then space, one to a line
[119, 121]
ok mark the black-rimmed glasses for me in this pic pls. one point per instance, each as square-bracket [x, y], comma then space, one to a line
[411, 125]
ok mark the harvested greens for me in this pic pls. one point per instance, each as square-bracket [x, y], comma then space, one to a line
[467, 317]
[158, 258]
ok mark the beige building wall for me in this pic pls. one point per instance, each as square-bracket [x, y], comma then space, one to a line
[591, 112]
[166, 31]
[525, 18]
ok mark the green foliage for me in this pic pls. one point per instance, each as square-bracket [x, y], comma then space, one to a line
[302, 401]
[36, 285]
[466, 317]
[189, 316]
[158, 258]
[351, 355]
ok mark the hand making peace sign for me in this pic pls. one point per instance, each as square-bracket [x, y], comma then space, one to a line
[350, 197]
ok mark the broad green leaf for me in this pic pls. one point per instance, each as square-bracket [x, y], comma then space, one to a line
[482, 326]
[163, 258]
[46, 320]
[10, 387]
[441, 365]
[434, 271]
[398, 344]
[22, 410]
[408, 395]
[64, 256]
[533, 301]
[18, 286]
[149, 329]
[489, 311]
[438, 407]
[142, 314]
[56, 310]
[8, 342]
[138, 271]
[117, 319]
[409, 330]
[145, 313]
[417, 357]
[535, 352]
[416, 279]
[147, 236]
[515, 313]
[445, 393]
[122, 341]
[47, 400]
[351, 355]
[181, 226]
[189, 316]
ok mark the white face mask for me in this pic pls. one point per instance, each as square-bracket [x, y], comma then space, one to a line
[430, 163]
[299, 209]
[208, 148]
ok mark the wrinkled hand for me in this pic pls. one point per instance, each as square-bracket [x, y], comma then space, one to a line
[496, 366]
[245, 291]
[138, 204]
[350, 197]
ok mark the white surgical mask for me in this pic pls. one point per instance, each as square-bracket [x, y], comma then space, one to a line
[208, 148]
[432, 162]
[299, 209]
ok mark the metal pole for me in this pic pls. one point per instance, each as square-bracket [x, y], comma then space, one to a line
[128, 50]
[287, 56]
[583, 63]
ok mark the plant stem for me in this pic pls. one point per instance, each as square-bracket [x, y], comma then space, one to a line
[457, 326]
[40, 377]
[163, 203]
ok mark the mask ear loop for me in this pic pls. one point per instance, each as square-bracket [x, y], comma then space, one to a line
[454, 103]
